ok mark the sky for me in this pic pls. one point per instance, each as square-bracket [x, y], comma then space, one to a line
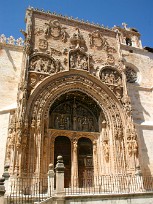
[136, 13]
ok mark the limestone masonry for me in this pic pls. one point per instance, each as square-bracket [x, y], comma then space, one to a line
[78, 90]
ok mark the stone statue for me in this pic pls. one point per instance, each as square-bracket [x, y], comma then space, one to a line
[106, 150]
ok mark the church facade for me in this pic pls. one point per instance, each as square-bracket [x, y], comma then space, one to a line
[78, 90]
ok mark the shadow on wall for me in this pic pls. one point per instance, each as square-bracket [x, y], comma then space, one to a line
[10, 59]
[138, 114]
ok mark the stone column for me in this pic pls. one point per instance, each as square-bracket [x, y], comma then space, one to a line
[2, 190]
[51, 180]
[60, 194]
[74, 174]
[95, 163]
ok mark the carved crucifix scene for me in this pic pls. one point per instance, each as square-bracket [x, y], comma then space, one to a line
[74, 111]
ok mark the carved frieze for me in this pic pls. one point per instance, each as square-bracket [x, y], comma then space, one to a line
[55, 30]
[46, 64]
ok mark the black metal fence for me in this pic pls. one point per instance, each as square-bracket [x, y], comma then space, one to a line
[110, 184]
[31, 190]
[28, 190]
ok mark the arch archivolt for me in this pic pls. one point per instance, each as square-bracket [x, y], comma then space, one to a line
[43, 98]
[109, 144]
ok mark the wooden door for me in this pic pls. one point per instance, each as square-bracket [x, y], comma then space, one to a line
[63, 147]
[85, 162]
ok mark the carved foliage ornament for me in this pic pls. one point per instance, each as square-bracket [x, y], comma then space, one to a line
[55, 30]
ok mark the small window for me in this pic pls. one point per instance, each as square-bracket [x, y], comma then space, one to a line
[128, 42]
[131, 75]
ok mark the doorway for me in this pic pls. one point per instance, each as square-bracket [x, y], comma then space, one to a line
[63, 147]
[85, 162]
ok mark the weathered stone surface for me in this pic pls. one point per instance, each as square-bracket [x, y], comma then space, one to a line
[70, 82]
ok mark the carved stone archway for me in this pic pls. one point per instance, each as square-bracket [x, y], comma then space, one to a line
[110, 148]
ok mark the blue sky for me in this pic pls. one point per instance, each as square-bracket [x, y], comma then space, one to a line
[136, 13]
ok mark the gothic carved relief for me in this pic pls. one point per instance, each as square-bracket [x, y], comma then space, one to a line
[72, 115]
[96, 39]
[43, 44]
[110, 59]
[77, 40]
[44, 64]
[113, 80]
[55, 30]
[106, 150]
[78, 60]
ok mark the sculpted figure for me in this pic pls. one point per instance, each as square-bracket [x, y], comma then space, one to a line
[106, 150]
[57, 122]
[79, 124]
[67, 123]
[47, 28]
[72, 62]
[85, 125]
[39, 65]
[129, 146]
[84, 64]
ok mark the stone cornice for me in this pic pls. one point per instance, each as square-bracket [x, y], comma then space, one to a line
[71, 19]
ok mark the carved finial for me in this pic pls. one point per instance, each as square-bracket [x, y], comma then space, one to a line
[2, 38]
[124, 25]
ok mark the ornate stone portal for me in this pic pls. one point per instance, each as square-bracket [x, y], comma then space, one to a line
[72, 100]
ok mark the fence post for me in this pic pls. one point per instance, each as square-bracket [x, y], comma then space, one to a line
[2, 190]
[60, 194]
[51, 180]
[139, 179]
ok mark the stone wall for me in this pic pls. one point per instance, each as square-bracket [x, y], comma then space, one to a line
[10, 68]
[141, 99]
[112, 199]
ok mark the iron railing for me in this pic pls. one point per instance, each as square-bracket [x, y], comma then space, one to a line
[28, 190]
[31, 190]
[110, 184]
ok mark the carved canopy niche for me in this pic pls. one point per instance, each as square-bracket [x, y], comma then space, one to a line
[74, 111]
[78, 60]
